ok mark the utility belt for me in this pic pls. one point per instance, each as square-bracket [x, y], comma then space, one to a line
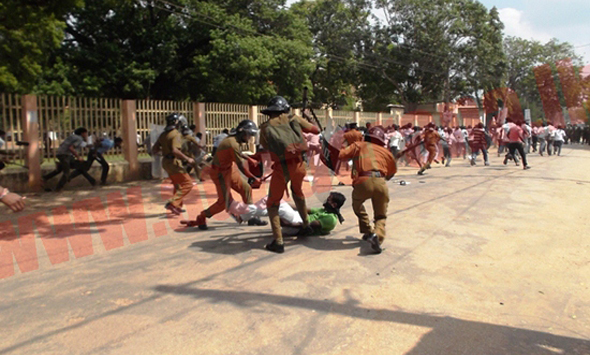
[372, 173]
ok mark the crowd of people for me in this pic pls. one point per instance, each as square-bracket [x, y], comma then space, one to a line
[292, 143]
[282, 137]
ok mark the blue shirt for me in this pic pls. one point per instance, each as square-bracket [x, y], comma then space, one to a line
[105, 145]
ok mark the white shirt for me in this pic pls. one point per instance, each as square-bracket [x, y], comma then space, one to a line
[465, 133]
[2, 143]
[395, 139]
[542, 133]
[529, 129]
[559, 135]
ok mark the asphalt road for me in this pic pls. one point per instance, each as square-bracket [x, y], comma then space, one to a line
[478, 260]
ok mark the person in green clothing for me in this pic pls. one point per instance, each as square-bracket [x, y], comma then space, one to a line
[322, 220]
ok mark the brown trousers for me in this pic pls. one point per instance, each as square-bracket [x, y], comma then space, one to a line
[183, 184]
[431, 149]
[293, 171]
[224, 183]
[376, 190]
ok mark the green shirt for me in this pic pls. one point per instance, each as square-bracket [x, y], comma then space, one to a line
[327, 220]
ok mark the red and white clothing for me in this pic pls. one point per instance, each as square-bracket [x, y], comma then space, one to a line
[516, 134]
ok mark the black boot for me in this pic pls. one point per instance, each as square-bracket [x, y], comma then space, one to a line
[374, 241]
[275, 247]
[366, 236]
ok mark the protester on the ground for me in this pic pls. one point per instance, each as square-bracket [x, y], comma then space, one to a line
[374, 165]
[322, 220]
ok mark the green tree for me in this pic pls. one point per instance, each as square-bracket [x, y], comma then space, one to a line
[29, 31]
[339, 30]
[436, 50]
[523, 56]
[229, 51]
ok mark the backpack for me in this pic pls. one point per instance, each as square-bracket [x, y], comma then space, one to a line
[286, 141]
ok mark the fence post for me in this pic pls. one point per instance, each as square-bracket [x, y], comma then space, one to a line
[30, 125]
[379, 118]
[199, 113]
[357, 118]
[253, 116]
[129, 132]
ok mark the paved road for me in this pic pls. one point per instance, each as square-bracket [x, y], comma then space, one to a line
[479, 260]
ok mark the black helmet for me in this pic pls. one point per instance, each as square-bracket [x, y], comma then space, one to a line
[277, 104]
[185, 130]
[172, 119]
[248, 127]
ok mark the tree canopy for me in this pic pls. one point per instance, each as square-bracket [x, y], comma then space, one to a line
[246, 51]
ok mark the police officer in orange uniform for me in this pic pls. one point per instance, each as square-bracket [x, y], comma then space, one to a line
[353, 134]
[373, 164]
[282, 137]
[170, 144]
[431, 139]
[225, 176]
[350, 136]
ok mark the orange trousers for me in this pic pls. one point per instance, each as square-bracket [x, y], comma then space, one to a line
[283, 173]
[183, 184]
[224, 182]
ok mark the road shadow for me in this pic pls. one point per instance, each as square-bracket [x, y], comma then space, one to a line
[236, 243]
[447, 335]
